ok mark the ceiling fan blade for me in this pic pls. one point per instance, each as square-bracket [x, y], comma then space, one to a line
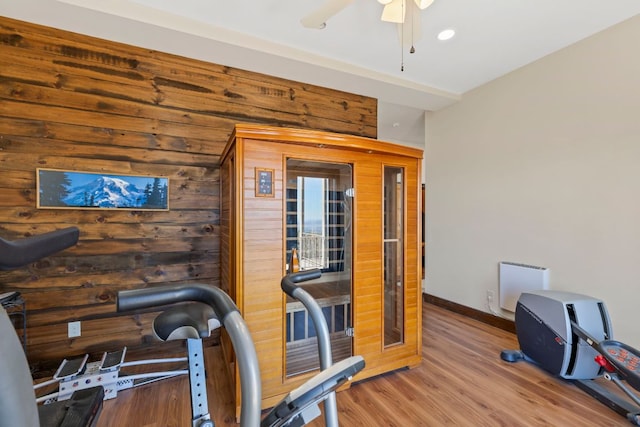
[319, 17]
[423, 4]
[394, 11]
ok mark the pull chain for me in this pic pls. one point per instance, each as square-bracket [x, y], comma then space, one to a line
[402, 39]
[413, 49]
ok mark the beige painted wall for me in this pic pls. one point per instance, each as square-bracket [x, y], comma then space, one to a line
[542, 167]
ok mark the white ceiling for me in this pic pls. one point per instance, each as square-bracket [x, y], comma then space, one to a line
[356, 52]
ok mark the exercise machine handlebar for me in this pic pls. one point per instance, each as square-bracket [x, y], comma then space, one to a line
[290, 287]
[158, 296]
[290, 281]
[229, 315]
[18, 253]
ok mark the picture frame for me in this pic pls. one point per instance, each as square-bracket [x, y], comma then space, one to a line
[264, 182]
[63, 189]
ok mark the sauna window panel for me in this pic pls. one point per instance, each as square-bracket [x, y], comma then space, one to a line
[393, 255]
[318, 225]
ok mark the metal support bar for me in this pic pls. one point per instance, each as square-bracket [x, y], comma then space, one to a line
[198, 384]
[606, 397]
[324, 349]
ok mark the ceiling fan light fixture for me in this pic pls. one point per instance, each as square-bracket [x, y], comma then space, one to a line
[384, 2]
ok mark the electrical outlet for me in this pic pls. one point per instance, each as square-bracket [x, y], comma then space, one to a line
[490, 296]
[74, 329]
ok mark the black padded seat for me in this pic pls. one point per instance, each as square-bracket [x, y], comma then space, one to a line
[192, 320]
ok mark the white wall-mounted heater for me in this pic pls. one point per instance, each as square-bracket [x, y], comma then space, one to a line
[518, 278]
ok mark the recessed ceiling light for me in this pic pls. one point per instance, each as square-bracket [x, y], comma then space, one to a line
[446, 34]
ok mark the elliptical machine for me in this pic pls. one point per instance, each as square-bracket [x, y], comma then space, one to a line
[18, 405]
[570, 335]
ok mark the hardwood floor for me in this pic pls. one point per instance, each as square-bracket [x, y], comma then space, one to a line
[461, 382]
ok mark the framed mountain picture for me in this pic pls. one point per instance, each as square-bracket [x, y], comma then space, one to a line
[59, 189]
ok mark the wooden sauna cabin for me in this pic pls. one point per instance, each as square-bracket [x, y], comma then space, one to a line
[349, 206]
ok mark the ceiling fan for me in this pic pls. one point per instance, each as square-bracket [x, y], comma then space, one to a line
[394, 11]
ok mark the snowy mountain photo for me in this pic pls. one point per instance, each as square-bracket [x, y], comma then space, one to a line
[61, 189]
[106, 192]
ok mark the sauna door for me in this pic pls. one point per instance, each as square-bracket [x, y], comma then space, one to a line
[319, 202]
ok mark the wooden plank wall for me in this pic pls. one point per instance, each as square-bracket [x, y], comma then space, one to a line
[73, 102]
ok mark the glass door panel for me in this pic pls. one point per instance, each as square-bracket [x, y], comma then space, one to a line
[393, 219]
[319, 200]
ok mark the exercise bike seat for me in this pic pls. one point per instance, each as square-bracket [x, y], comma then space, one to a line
[18, 253]
[192, 320]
